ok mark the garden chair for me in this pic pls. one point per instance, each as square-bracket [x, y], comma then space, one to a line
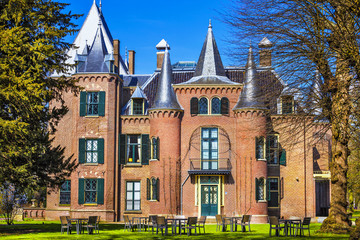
[190, 224]
[65, 224]
[97, 224]
[90, 225]
[245, 221]
[151, 223]
[275, 224]
[305, 225]
[201, 223]
[219, 222]
[161, 224]
[129, 225]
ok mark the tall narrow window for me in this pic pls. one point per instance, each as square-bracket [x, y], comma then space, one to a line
[194, 106]
[91, 151]
[260, 148]
[272, 148]
[260, 188]
[90, 190]
[224, 106]
[92, 103]
[133, 149]
[155, 148]
[203, 106]
[215, 106]
[287, 104]
[138, 106]
[152, 188]
[132, 196]
[209, 148]
[273, 192]
[65, 192]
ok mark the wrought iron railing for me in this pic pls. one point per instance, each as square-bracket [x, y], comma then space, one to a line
[218, 165]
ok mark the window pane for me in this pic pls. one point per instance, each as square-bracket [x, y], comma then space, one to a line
[214, 145]
[205, 133]
[88, 145]
[129, 196]
[203, 106]
[88, 157]
[129, 186]
[95, 157]
[137, 196]
[137, 186]
[205, 145]
[214, 133]
[273, 184]
[215, 106]
[136, 205]
[129, 205]
[214, 155]
[95, 143]
[205, 155]
[137, 106]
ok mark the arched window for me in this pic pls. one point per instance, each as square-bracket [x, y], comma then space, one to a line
[224, 105]
[203, 105]
[260, 188]
[155, 148]
[194, 106]
[152, 188]
[215, 105]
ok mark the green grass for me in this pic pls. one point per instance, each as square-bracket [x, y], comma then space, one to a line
[51, 230]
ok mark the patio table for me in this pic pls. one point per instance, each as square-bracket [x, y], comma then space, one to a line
[140, 222]
[79, 222]
[287, 223]
[177, 223]
[233, 221]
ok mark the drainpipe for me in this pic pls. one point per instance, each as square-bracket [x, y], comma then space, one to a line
[181, 200]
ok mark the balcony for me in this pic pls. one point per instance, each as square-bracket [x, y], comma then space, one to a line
[220, 166]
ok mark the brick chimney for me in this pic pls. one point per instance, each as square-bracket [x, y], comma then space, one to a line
[265, 52]
[131, 62]
[160, 54]
[116, 44]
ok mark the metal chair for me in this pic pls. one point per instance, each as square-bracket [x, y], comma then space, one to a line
[275, 224]
[305, 225]
[190, 224]
[151, 223]
[245, 221]
[226, 222]
[219, 222]
[97, 224]
[91, 224]
[65, 224]
[129, 225]
[161, 224]
[201, 223]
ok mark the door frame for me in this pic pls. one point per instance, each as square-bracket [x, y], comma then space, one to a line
[221, 191]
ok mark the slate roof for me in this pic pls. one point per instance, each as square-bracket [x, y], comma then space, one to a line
[136, 79]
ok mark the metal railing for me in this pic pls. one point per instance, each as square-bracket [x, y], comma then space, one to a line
[221, 164]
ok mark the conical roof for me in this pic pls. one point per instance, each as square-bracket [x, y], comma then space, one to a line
[165, 97]
[251, 95]
[209, 68]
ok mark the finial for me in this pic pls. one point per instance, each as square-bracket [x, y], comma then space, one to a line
[100, 7]
[94, 2]
[210, 23]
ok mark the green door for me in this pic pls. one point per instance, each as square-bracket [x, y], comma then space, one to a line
[209, 200]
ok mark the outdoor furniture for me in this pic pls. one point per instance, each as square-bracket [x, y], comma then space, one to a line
[176, 223]
[201, 223]
[219, 222]
[65, 224]
[161, 224]
[129, 225]
[304, 225]
[227, 221]
[97, 224]
[191, 224]
[140, 222]
[79, 222]
[151, 222]
[275, 224]
[245, 221]
[91, 224]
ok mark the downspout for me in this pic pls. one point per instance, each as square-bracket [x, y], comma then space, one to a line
[181, 197]
[305, 166]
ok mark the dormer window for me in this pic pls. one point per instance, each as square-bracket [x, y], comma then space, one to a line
[287, 104]
[138, 106]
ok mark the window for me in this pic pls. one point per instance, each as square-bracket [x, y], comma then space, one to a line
[91, 150]
[215, 106]
[209, 148]
[65, 192]
[224, 106]
[152, 188]
[155, 148]
[90, 190]
[132, 196]
[133, 149]
[287, 104]
[260, 148]
[92, 103]
[272, 148]
[260, 188]
[273, 192]
[194, 106]
[203, 105]
[138, 106]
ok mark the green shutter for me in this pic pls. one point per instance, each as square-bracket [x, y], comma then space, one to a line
[148, 188]
[81, 190]
[145, 149]
[158, 148]
[268, 196]
[102, 103]
[158, 189]
[82, 147]
[224, 106]
[100, 191]
[256, 148]
[267, 147]
[82, 104]
[256, 189]
[283, 157]
[194, 106]
[122, 141]
[101, 150]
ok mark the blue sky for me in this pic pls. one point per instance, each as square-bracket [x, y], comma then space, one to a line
[141, 24]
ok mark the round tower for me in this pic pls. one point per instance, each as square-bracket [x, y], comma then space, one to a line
[251, 121]
[165, 126]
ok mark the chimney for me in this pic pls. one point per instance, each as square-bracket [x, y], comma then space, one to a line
[131, 62]
[116, 44]
[161, 52]
[265, 52]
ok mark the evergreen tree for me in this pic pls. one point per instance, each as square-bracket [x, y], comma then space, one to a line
[32, 47]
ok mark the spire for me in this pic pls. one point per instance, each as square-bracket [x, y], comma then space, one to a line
[209, 63]
[165, 97]
[251, 94]
[100, 5]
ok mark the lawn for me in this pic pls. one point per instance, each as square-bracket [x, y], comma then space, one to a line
[51, 230]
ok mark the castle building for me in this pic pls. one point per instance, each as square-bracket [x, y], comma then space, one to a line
[188, 139]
